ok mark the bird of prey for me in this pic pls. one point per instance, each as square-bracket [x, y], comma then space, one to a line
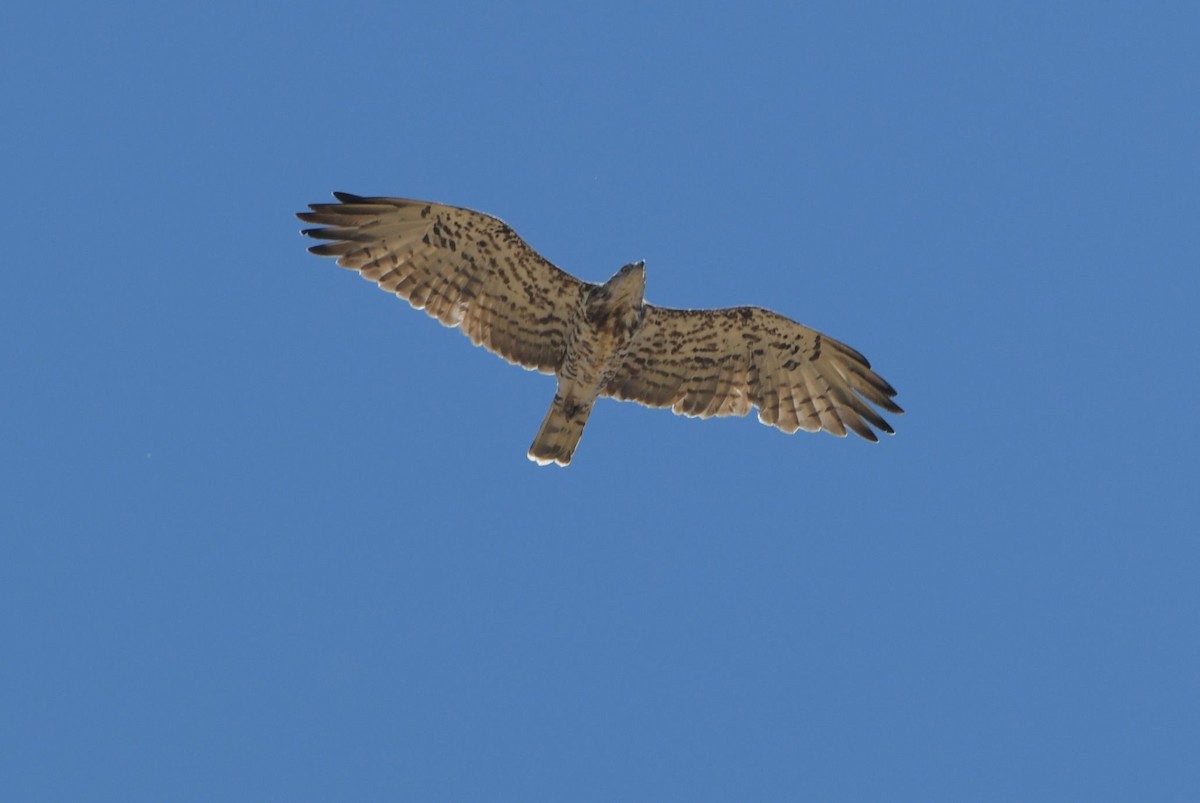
[470, 270]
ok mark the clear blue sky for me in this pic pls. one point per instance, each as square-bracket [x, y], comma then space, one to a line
[269, 534]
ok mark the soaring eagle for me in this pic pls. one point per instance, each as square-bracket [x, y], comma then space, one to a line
[470, 270]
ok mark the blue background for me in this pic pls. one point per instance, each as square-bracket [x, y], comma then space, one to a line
[270, 534]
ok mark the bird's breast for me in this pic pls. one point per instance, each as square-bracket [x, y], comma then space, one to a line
[599, 339]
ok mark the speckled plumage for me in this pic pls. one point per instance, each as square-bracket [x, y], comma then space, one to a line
[470, 270]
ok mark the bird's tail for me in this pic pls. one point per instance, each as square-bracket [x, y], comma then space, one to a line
[560, 433]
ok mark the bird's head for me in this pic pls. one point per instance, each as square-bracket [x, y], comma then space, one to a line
[629, 283]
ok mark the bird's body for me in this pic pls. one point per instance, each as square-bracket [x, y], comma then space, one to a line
[471, 270]
[606, 320]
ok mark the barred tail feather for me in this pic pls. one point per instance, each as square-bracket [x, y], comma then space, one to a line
[560, 433]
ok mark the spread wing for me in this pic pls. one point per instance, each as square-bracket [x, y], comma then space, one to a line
[465, 268]
[724, 361]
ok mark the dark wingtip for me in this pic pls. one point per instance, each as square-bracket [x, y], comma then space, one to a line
[330, 249]
[348, 198]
